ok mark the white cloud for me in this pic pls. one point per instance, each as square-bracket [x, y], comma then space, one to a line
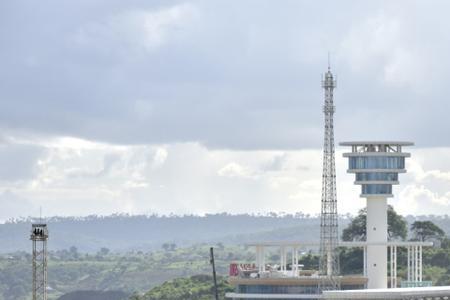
[236, 170]
[420, 175]
[78, 177]
[416, 199]
[307, 189]
[160, 157]
[425, 188]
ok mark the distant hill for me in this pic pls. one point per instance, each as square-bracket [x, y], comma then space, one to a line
[94, 295]
[125, 233]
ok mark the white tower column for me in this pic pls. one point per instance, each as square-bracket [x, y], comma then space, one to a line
[377, 233]
[376, 166]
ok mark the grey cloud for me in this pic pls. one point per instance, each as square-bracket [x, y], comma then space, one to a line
[230, 76]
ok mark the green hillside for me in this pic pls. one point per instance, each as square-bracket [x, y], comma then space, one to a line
[129, 272]
[94, 295]
[198, 287]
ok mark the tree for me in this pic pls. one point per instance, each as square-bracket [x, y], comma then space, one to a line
[351, 261]
[426, 230]
[74, 252]
[104, 251]
[309, 261]
[356, 230]
[166, 246]
[220, 246]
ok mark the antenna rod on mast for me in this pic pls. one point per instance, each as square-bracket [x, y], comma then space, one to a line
[329, 66]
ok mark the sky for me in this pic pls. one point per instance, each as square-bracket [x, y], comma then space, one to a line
[195, 107]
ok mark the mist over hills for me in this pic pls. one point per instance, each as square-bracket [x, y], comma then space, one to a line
[125, 233]
[148, 232]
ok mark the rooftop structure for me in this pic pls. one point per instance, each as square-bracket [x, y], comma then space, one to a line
[266, 278]
[376, 166]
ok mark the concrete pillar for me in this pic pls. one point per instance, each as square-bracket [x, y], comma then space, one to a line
[263, 258]
[391, 263]
[409, 264]
[258, 258]
[365, 261]
[420, 263]
[416, 264]
[395, 266]
[377, 233]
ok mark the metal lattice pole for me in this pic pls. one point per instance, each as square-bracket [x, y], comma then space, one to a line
[39, 236]
[329, 261]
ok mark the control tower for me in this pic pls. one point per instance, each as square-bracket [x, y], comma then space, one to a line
[376, 166]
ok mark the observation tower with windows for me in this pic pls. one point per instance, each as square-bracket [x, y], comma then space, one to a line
[376, 166]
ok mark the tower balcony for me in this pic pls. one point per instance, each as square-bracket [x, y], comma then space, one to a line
[376, 166]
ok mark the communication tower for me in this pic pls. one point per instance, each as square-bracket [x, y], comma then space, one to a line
[329, 238]
[39, 237]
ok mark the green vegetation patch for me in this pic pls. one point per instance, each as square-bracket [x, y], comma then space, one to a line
[197, 287]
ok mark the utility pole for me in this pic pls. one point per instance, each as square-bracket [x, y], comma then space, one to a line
[216, 292]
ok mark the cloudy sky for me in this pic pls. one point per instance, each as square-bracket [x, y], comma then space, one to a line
[111, 106]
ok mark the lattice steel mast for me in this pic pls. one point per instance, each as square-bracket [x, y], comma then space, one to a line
[329, 262]
[39, 237]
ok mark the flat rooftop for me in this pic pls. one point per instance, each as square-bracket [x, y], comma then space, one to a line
[340, 244]
[362, 143]
[398, 293]
[436, 292]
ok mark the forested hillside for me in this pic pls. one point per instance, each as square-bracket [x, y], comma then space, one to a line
[71, 270]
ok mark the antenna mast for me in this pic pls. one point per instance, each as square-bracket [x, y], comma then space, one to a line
[329, 261]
